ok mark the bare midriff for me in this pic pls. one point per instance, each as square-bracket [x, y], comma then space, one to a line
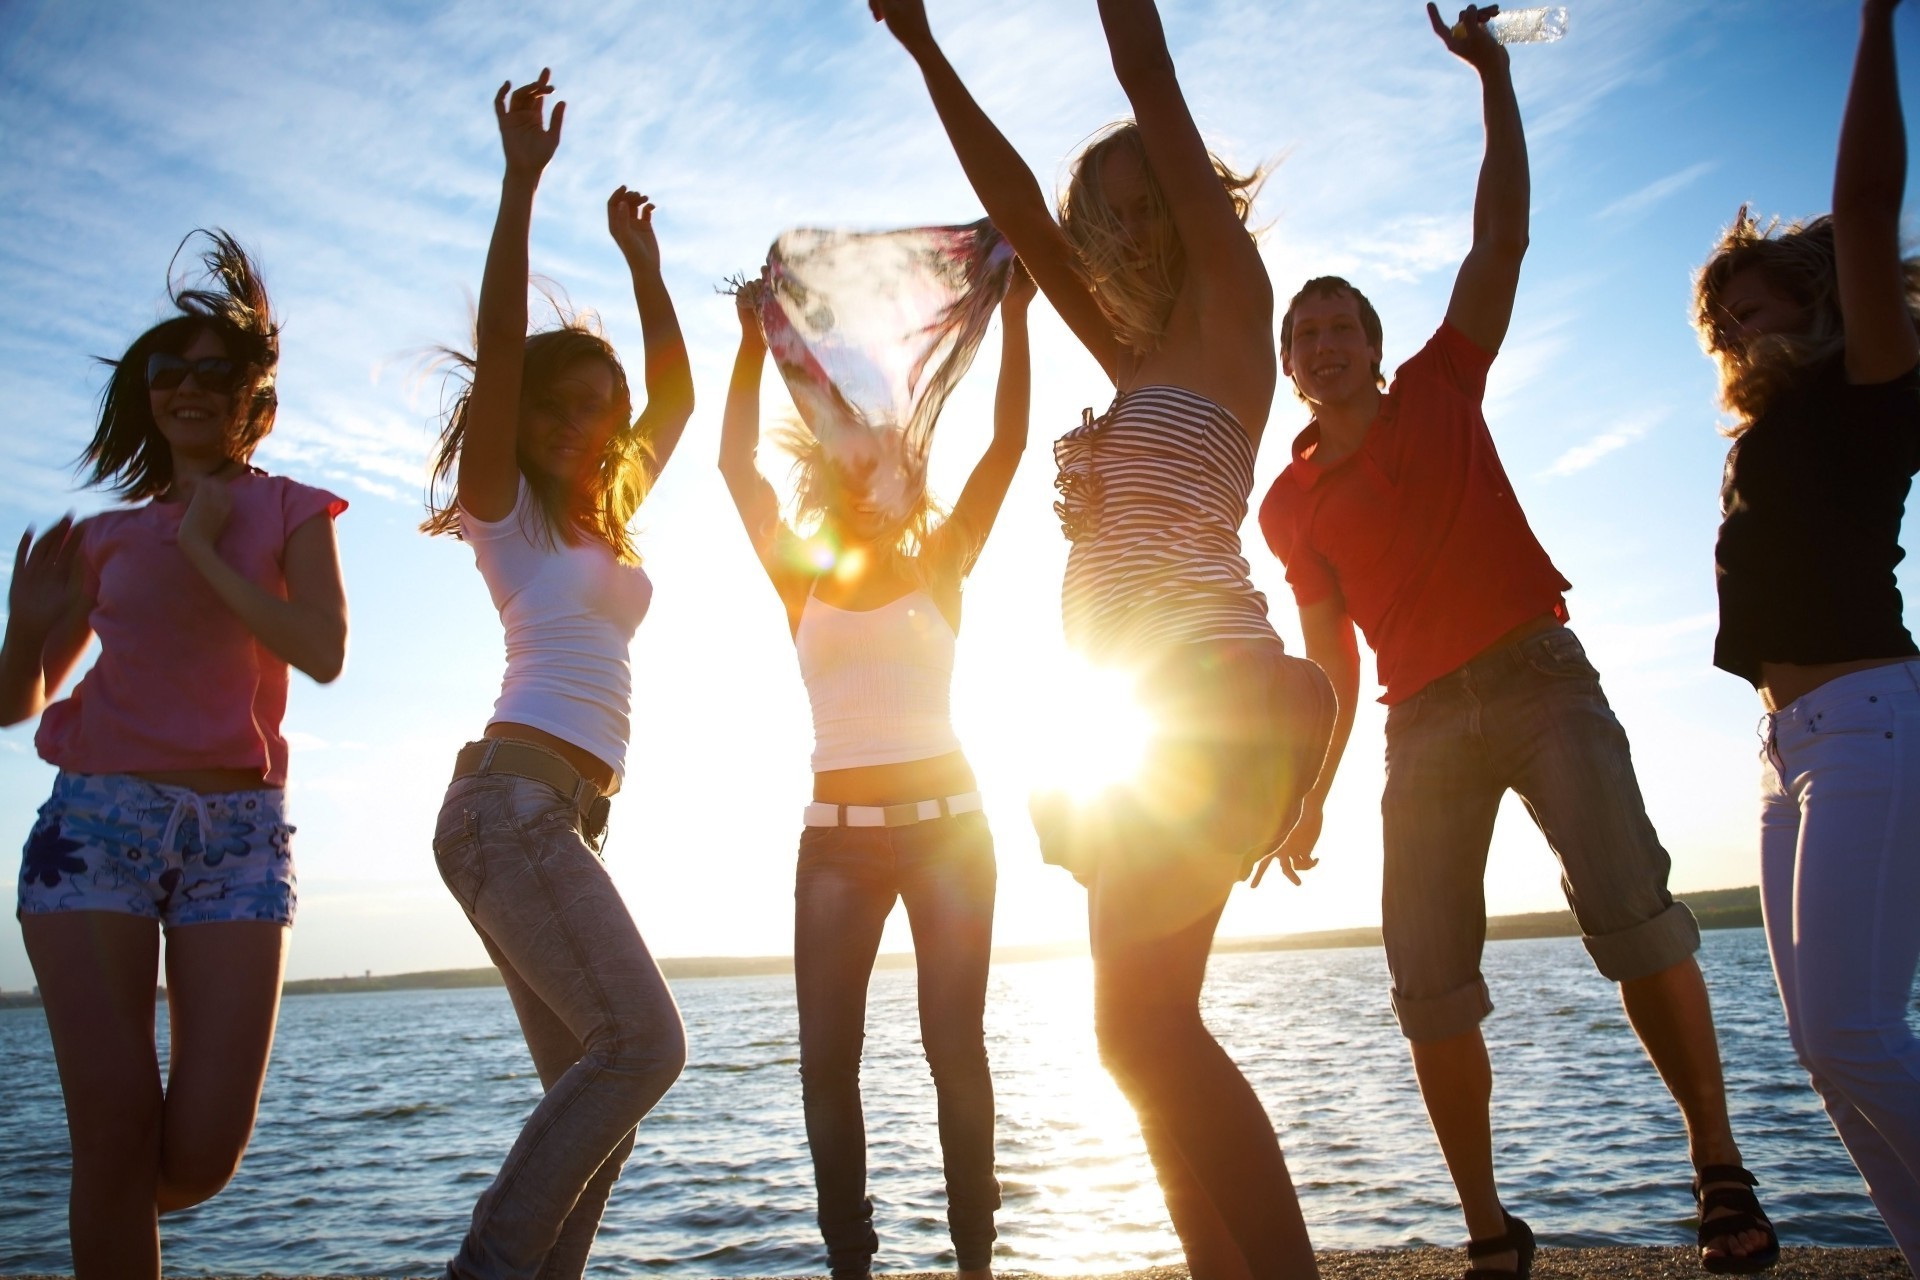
[585, 763]
[931, 779]
[1783, 683]
[208, 782]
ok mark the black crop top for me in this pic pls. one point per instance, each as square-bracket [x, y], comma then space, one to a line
[1810, 507]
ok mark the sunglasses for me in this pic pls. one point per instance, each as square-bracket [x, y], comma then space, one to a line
[212, 373]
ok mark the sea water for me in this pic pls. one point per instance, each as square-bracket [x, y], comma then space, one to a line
[386, 1114]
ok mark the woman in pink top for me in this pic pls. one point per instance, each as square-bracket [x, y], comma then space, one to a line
[169, 808]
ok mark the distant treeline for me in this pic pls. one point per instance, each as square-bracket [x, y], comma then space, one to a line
[1714, 908]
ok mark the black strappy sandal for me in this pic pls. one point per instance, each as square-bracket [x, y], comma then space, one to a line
[1518, 1241]
[1739, 1211]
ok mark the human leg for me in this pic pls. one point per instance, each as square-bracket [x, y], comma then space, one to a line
[97, 972]
[1193, 1099]
[1851, 764]
[1571, 764]
[1437, 815]
[223, 999]
[554, 1050]
[947, 879]
[844, 888]
[510, 850]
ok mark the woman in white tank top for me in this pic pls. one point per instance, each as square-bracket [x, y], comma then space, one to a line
[895, 812]
[548, 465]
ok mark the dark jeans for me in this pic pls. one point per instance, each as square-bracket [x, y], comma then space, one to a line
[600, 1023]
[845, 887]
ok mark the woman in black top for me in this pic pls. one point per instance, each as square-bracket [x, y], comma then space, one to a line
[1816, 329]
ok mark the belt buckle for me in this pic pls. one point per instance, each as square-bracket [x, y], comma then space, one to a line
[593, 822]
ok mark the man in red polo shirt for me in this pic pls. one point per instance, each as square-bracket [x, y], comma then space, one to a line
[1395, 513]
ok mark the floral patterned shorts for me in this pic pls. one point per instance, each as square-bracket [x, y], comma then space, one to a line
[113, 842]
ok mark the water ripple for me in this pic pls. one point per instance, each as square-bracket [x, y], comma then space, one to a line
[385, 1113]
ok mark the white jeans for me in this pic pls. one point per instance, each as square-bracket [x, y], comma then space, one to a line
[1840, 887]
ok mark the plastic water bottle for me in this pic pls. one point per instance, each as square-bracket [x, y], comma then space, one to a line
[1529, 26]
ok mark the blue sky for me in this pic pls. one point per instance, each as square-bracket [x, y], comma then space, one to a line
[353, 146]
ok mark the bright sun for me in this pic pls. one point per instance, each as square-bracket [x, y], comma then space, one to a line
[1100, 731]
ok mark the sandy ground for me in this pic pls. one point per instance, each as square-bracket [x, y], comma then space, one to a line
[1551, 1264]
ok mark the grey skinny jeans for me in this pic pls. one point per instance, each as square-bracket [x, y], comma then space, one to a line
[600, 1023]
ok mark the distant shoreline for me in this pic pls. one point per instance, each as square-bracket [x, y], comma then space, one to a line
[1714, 908]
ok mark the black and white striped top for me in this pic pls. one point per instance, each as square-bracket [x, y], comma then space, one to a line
[1152, 496]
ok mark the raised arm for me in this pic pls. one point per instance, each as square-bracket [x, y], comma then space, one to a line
[1331, 644]
[1006, 187]
[488, 480]
[1483, 293]
[1868, 180]
[776, 544]
[957, 542]
[1221, 258]
[669, 376]
[47, 629]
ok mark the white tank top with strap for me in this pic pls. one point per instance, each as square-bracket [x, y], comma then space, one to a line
[880, 681]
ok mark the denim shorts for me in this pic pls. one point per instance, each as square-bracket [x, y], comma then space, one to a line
[1528, 718]
[114, 842]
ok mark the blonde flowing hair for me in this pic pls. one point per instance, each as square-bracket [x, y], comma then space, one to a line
[813, 491]
[1135, 284]
[1797, 259]
[621, 476]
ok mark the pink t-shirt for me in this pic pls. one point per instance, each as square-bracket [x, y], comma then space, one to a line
[180, 682]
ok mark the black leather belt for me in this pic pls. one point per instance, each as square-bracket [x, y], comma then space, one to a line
[537, 764]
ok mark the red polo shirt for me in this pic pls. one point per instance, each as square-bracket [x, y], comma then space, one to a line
[1417, 531]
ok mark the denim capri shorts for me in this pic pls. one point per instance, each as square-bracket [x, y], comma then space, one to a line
[114, 842]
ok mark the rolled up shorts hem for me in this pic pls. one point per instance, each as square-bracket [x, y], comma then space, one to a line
[1647, 948]
[1443, 1016]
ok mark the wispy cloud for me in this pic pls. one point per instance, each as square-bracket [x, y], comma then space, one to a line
[1635, 203]
[1616, 437]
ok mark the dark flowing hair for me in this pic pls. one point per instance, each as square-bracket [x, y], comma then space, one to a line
[623, 473]
[1796, 258]
[128, 454]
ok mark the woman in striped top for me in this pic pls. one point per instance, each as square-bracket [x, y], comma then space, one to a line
[1152, 267]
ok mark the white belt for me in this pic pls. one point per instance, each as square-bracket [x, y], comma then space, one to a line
[820, 814]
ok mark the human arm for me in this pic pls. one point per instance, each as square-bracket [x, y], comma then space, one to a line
[958, 541]
[1869, 178]
[775, 543]
[668, 374]
[48, 605]
[1222, 262]
[488, 480]
[308, 626]
[1483, 293]
[1331, 644]
[1006, 187]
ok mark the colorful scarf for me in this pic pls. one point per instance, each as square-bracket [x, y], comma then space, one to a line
[871, 332]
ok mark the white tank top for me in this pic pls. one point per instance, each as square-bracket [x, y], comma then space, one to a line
[880, 681]
[570, 611]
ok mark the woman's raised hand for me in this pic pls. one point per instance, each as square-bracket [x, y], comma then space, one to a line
[630, 222]
[527, 140]
[746, 305]
[42, 586]
[1020, 287]
[906, 19]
